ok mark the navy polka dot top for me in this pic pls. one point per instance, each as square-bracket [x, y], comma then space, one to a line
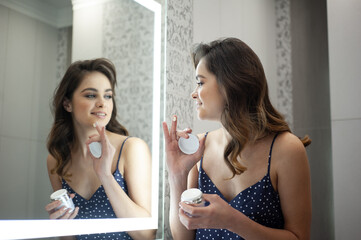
[98, 206]
[260, 202]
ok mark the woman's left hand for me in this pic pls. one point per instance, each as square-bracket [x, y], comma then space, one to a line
[102, 165]
[216, 215]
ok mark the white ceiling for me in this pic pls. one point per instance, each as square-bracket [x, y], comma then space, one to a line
[57, 13]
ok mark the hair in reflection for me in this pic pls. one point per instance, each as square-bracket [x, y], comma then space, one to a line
[61, 138]
[248, 114]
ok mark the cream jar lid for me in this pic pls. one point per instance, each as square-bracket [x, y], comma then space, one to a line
[58, 194]
[191, 195]
[95, 149]
[189, 145]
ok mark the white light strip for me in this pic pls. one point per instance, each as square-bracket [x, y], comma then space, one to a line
[156, 8]
[151, 5]
[25, 229]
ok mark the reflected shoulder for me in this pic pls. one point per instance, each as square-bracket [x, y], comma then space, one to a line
[51, 162]
[136, 142]
[55, 180]
[135, 145]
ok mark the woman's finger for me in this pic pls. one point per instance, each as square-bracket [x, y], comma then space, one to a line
[74, 213]
[173, 130]
[101, 131]
[59, 213]
[166, 132]
[93, 139]
[67, 214]
[51, 206]
[183, 134]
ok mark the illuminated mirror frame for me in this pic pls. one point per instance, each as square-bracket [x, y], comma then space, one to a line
[26, 229]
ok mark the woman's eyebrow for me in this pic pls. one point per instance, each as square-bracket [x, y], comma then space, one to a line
[200, 76]
[89, 89]
[96, 90]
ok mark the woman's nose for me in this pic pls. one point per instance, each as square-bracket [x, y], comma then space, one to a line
[194, 94]
[99, 103]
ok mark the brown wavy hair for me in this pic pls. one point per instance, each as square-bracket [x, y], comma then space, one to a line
[248, 114]
[61, 138]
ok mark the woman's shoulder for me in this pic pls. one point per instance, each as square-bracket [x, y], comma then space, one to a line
[127, 141]
[55, 180]
[288, 148]
[210, 134]
[287, 141]
[51, 161]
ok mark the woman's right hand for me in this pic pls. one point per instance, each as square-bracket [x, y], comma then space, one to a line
[62, 213]
[178, 162]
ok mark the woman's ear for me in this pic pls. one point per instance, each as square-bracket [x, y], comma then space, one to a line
[67, 105]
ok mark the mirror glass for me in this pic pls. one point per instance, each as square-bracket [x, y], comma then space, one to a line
[38, 41]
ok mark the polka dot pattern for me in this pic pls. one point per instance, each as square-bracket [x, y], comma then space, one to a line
[259, 202]
[98, 206]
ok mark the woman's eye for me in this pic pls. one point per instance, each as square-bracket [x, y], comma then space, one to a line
[90, 96]
[199, 83]
[108, 96]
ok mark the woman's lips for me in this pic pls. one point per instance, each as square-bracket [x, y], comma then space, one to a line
[198, 104]
[100, 114]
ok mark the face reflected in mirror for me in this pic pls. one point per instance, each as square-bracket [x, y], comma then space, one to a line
[117, 184]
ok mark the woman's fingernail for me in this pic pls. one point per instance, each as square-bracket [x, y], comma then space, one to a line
[95, 124]
[174, 118]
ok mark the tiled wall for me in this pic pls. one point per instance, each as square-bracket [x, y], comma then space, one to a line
[311, 105]
[344, 34]
[28, 63]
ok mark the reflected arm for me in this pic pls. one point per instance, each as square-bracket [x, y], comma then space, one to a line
[137, 173]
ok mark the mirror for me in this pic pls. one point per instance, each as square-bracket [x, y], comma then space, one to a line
[35, 47]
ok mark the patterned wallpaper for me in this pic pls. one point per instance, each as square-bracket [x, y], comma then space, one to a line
[128, 41]
[63, 59]
[284, 63]
[179, 75]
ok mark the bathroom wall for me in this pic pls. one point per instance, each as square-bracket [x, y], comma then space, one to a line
[28, 76]
[344, 34]
[311, 105]
[254, 22]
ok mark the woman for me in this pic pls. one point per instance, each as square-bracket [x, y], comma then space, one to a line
[117, 184]
[249, 196]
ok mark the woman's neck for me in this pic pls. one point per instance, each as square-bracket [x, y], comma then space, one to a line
[81, 136]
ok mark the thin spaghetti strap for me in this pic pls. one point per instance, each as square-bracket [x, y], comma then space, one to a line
[270, 153]
[120, 152]
[205, 135]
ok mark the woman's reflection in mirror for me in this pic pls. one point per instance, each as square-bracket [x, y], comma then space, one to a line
[253, 171]
[118, 183]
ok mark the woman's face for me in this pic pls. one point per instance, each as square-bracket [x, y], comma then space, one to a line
[207, 95]
[92, 101]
